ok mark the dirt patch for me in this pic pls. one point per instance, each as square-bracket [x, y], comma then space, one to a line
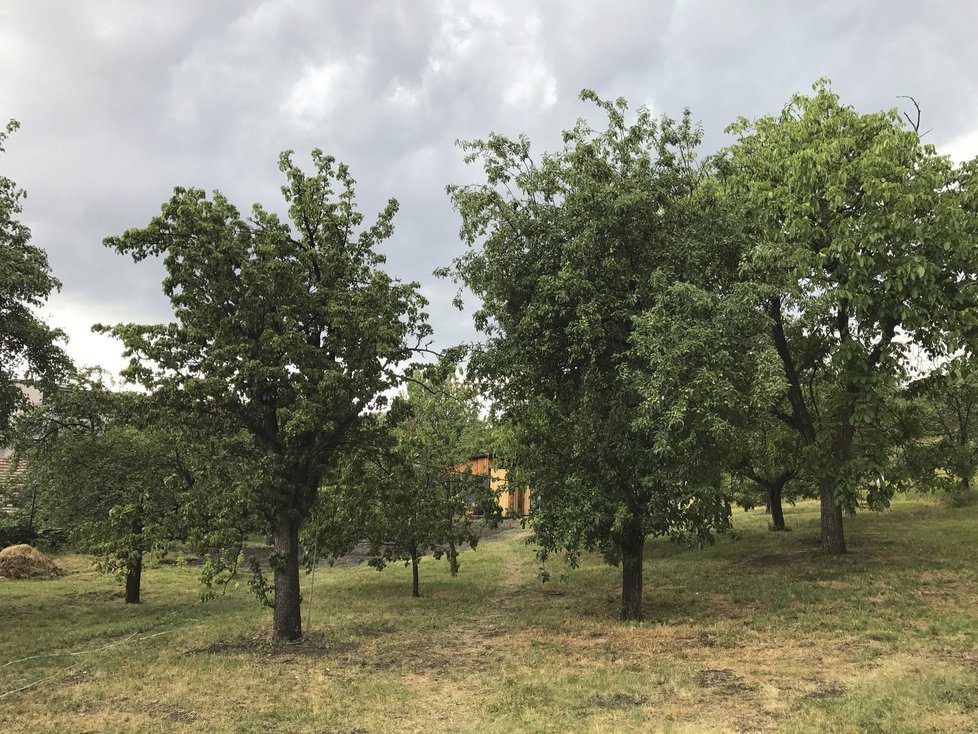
[73, 679]
[824, 693]
[313, 645]
[769, 560]
[619, 701]
[373, 631]
[25, 562]
[182, 716]
[90, 596]
[723, 680]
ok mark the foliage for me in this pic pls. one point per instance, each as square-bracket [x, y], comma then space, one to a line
[290, 332]
[28, 347]
[941, 452]
[419, 500]
[601, 271]
[92, 468]
[770, 467]
[861, 239]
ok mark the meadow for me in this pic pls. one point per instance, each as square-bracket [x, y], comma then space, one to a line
[759, 632]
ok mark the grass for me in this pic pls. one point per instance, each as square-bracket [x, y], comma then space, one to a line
[756, 633]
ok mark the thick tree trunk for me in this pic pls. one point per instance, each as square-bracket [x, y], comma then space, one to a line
[415, 587]
[833, 535]
[774, 490]
[286, 621]
[134, 576]
[632, 550]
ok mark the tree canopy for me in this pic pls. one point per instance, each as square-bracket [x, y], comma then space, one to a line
[860, 240]
[29, 348]
[602, 271]
[290, 330]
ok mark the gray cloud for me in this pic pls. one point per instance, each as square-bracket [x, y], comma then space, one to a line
[120, 101]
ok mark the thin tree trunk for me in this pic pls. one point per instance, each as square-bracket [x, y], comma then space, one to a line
[833, 535]
[32, 517]
[774, 490]
[286, 620]
[134, 576]
[453, 557]
[415, 588]
[632, 550]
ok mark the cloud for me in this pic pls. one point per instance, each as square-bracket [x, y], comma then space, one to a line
[121, 101]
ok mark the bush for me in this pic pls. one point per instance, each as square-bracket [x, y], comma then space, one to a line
[16, 532]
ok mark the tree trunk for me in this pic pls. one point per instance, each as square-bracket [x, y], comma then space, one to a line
[453, 557]
[32, 516]
[833, 536]
[134, 576]
[774, 490]
[632, 550]
[415, 589]
[286, 621]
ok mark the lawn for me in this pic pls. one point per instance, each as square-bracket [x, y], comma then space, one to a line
[759, 632]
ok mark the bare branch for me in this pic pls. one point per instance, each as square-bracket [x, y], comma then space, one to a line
[914, 124]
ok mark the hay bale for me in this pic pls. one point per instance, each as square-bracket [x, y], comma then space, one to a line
[24, 562]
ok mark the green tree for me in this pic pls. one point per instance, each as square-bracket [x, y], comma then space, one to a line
[291, 331]
[942, 450]
[610, 336]
[92, 470]
[773, 460]
[29, 349]
[861, 238]
[417, 500]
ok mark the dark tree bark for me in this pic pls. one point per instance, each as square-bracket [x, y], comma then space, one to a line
[833, 534]
[134, 576]
[632, 551]
[452, 557]
[286, 620]
[774, 491]
[415, 588]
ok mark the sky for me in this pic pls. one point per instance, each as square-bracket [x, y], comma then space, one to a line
[120, 101]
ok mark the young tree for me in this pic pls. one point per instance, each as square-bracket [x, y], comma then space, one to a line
[601, 272]
[417, 501]
[28, 347]
[291, 331]
[861, 238]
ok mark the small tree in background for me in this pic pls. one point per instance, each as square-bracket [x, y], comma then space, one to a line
[414, 497]
[92, 470]
[772, 459]
[941, 452]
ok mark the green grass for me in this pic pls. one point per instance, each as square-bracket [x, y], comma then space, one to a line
[759, 632]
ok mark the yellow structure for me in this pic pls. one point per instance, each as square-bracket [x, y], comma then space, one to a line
[514, 501]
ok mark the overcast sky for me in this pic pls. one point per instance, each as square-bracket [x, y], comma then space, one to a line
[121, 101]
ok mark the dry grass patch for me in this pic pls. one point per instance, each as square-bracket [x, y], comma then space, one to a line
[754, 634]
